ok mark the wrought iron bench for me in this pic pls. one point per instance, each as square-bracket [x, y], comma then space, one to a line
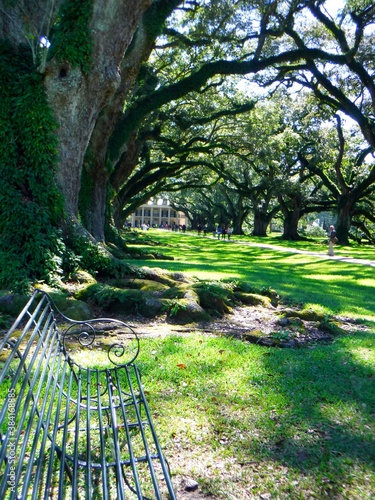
[70, 429]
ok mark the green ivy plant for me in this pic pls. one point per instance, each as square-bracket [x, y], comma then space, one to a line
[70, 39]
[30, 203]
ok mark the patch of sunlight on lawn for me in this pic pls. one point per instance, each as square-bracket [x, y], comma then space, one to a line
[95, 358]
[364, 356]
[328, 277]
[317, 307]
[366, 282]
[339, 412]
[214, 275]
[361, 313]
[208, 275]
[300, 259]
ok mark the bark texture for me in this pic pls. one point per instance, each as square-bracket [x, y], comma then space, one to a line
[96, 163]
[261, 222]
[78, 98]
[292, 215]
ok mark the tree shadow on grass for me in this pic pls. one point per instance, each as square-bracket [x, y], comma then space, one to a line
[325, 426]
[310, 410]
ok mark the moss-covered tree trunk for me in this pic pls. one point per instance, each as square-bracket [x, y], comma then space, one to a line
[48, 94]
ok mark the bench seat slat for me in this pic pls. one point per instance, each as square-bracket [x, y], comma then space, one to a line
[88, 434]
[63, 469]
[40, 419]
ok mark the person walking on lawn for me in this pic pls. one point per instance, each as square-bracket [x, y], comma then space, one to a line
[332, 240]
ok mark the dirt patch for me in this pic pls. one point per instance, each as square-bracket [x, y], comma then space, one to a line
[267, 326]
[257, 324]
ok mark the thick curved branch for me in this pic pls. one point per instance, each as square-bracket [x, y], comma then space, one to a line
[338, 162]
[134, 116]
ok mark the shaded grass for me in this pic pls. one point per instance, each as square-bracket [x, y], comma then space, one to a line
[340, 287]
[243, 419]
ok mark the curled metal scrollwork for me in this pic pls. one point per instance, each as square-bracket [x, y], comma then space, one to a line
[125, 352]
[122, 352]
[116, 351]
[83, 332]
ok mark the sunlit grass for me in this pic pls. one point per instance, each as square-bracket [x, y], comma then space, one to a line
[318, 245]
[340, 287]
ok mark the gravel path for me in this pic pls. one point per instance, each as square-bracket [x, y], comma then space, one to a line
[365, 262]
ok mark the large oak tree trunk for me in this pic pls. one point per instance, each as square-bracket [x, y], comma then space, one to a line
[77, 98]
[97, 160]
[291, 227]
[125, 167]
[344, 208]
[238, 221]
[237, 212]
[261, 222]
[292, 214]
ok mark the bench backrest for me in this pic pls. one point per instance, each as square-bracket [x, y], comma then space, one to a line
[70, 429]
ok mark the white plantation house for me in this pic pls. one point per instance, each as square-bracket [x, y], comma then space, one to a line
[157, 214]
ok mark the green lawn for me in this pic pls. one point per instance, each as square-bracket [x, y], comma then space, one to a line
[246, 421]
[252, 422]
[318, 245]
[249, 422]
[338, 287]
